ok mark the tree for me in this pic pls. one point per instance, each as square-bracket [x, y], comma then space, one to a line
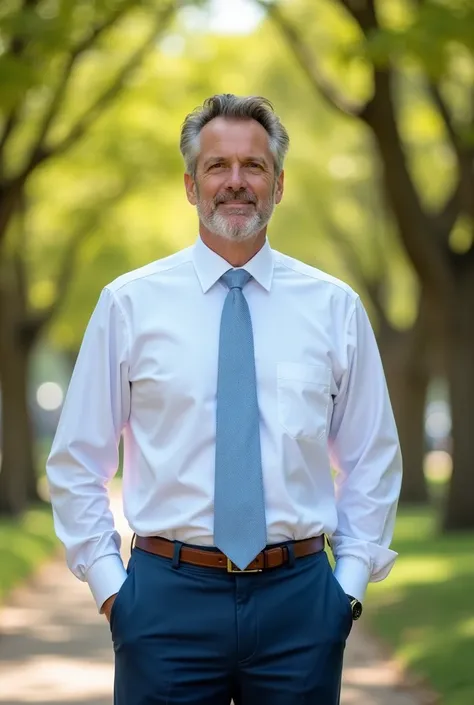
[42, 69]
[426, 231]
[404, 351]
[22, 327]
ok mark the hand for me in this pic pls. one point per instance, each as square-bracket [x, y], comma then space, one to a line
[107, 606]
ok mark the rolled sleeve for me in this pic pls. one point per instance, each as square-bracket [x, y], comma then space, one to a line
[365, 453]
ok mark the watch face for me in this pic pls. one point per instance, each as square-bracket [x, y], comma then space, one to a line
[356, 609]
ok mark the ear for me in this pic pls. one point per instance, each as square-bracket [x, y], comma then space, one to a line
[279, 188]
[190, 186]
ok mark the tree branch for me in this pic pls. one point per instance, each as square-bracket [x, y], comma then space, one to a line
[377, 206]
[375, 289]
[471, 105]
[414, 223]
[84, 123]
[379, 115]
[10, 193]
[17, 44]
[464, 156]
[307, 62]
[8, 128]
[363, 11]
[84, 45]
[445, 219]
[347, 251]
[443, 110]
[69, 258]
[426, 252]
[353, 261]
[20, 250]
[65, 276]
[15, 49]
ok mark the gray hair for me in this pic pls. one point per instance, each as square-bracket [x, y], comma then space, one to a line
[234, 107]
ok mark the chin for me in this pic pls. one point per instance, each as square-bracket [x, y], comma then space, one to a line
[235, 228]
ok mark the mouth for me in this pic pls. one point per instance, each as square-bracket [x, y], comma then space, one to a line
[236, 203]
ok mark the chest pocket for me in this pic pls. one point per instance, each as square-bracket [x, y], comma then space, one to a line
[303, 399]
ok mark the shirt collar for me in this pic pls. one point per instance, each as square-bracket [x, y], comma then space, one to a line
[210, 266]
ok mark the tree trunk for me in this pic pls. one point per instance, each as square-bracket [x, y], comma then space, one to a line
[407, 373]
[32, 493]
[17, 469]
[459, 511]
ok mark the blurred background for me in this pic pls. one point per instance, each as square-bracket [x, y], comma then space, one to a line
[378, 98]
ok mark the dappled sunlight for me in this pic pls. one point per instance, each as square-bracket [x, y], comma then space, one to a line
[383, 675]
[55, 646]
[39, 624]
[424, 609]
[370, 678]
[466, 628]
[438, 466]
[420, 641]
[57, 679]
[24, 544]
[415, 531]
[423, 569]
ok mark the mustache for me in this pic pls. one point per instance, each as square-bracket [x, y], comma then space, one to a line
[228, 197]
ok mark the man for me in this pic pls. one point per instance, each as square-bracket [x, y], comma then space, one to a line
[239, 377]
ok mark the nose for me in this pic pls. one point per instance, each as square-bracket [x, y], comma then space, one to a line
[236, 180]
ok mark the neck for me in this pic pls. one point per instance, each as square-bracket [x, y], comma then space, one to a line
[235, 253]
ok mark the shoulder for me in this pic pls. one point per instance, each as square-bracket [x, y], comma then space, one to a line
[152, 271]
[302, 270]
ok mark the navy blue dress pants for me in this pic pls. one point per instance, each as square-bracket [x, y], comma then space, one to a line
[202, 636]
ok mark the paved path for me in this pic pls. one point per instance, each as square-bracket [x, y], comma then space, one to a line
[55, 648]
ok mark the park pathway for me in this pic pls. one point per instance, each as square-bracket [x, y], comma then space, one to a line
[55, 648]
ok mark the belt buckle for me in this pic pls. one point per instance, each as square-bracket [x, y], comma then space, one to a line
[231, 568]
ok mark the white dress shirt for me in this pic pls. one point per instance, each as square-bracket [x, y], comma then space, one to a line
[147, 368]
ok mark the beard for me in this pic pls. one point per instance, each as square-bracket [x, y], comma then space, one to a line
[238, 225]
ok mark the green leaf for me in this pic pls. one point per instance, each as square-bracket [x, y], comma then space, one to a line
[16, 77]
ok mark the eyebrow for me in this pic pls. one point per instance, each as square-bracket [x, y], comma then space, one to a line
[214, 160]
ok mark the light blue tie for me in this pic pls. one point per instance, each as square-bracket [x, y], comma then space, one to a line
[239, 505]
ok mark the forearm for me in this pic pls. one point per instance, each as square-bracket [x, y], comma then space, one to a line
[366, 503]
[84, 524]
[365, 451]
[84, 455]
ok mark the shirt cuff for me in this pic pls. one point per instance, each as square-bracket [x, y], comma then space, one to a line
[105, 577]
[353, 575]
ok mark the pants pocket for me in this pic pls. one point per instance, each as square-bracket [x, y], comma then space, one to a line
[344, 604]
[121, 595]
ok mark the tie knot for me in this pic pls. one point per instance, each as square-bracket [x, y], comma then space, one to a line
[236, 278]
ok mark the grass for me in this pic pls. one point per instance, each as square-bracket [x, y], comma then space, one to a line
[24, 544]
[424, 610]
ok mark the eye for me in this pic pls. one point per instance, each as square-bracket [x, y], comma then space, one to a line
[217, 165]
[254, 165]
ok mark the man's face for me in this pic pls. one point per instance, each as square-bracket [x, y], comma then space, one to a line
[235, 189]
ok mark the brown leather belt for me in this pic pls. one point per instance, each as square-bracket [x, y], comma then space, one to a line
[273, 557]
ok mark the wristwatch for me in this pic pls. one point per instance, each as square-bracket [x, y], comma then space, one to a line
[356, 607]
